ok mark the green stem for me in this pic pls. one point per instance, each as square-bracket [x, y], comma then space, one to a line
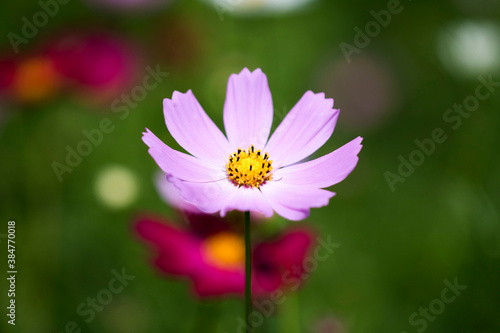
[248, 271]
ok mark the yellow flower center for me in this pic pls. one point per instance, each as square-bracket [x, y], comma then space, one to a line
[250, 168]
[225, 250]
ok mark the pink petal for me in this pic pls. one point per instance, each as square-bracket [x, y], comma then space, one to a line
[286, 255]
[194, 130]
[324, 171]
[175, 263]
[247, 199]
[178, 251]
[222, 196]
[205, 225]
[292, 248]
[178, 164]
[248, 110]
[212, 281]
[293, 202]
[305, 128]
[265, 282]
[172, 196]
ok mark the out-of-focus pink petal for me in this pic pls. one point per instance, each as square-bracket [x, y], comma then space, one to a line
[212, 282]
[222, 196]
[180, 165]
[205, 225]
[292, 248]
[267, 276]
[175, 263]
[194, 130]
[325, 171]
[248, 110]
[305, 128]
[178, 251]
[99, 63]
[172, 196]
[8, 69]
[294, 202]
[279, 263]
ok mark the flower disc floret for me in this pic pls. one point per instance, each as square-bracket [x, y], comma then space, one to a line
[250, 169]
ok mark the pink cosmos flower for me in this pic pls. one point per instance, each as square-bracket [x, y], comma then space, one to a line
[212, 256]
[247, 170]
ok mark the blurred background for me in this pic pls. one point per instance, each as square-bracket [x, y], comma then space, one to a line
[81, 79]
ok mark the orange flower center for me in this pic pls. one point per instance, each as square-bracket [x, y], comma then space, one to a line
[225, 250]
[250, 168]
[36, 80]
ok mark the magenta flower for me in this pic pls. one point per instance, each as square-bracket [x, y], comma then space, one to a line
[8, 68]
[248, 170]
[212, 256]
[97, 63]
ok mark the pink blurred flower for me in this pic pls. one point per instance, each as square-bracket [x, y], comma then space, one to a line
[265, 175]
[97, 64]
[30, 79]
[7, 73]
[211, 255]
[366, 76]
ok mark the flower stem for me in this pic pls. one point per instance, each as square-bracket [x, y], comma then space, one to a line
[248, 272]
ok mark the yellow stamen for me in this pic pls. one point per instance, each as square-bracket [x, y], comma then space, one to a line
[225, 250]
[250, 168]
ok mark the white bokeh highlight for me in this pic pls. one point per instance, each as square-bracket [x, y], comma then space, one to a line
[116, 187]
